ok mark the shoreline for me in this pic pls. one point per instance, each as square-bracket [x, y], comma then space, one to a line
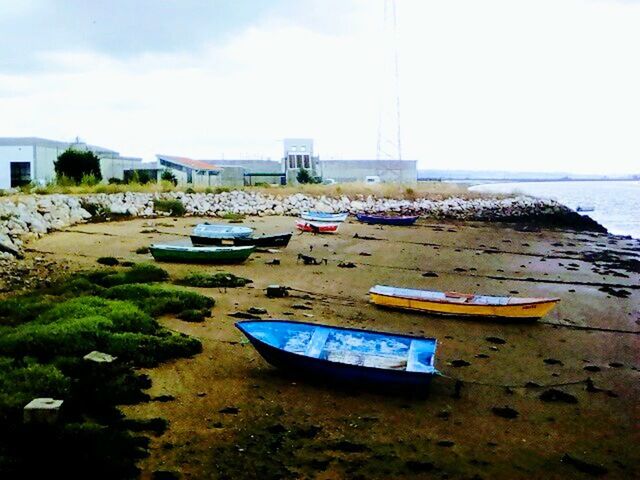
[29, 217]
[227, 398]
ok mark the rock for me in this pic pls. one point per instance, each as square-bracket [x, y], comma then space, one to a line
[552, 361]
[555, 395]
[300, 306]
[583, 466]
[257, 310]
[505, 412]
[496, 340]
[459, 363]
[229, 410]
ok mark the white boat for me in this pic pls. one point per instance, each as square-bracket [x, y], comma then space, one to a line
[221, 230]
[324, 217]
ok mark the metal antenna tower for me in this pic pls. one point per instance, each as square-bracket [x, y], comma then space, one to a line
[389, 141]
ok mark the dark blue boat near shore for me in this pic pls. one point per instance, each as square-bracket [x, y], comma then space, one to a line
[405, 220]
[345, 354]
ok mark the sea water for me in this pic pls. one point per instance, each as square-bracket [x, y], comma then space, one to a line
[616, 203]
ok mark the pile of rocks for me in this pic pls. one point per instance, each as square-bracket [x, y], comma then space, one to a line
[32, 216]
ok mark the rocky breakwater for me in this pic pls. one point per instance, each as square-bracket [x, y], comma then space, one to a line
[31, 216]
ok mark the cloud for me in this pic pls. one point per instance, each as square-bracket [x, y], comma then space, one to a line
[546, 85]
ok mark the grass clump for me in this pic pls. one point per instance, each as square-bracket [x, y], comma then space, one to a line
[219, 280]
[158, 300]
[108, 261]
[22, 381]
[173, 207]
[138, 273]
[142, 250]
[149, 350]
[194, 315]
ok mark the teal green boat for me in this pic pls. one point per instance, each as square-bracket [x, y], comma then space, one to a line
[188, 254]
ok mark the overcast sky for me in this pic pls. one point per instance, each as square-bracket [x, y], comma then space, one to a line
[539, 85]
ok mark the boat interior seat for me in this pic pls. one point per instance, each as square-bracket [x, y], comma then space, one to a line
[420, 356]
[317, 341]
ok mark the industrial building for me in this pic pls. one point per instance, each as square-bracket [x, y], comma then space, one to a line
[188, 171]
[299, 153]
[31, 159]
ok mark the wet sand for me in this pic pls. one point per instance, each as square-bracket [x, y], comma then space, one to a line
[234, 416]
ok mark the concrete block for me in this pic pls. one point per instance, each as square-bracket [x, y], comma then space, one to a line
[42, 410]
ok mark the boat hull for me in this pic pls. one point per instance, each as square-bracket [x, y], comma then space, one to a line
[195, 256]
[316, 227]
[384, 220]
[213, 230]
[315, 368]
[532, 311]
[324, 217]
[281, 240]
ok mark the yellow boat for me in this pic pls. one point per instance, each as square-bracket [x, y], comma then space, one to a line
[454, 303]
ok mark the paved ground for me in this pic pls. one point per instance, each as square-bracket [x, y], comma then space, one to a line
[234, 416]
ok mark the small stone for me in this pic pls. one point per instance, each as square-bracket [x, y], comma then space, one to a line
[555, 395]
[496, 340]
[257, 310]
[99, 357]
[229, 410]
[505, 412]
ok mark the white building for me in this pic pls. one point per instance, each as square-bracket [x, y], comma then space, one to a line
[31, 159]
[198, 173]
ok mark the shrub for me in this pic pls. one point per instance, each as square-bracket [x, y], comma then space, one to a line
[75, 164]
[115, 181]
[109, 261]
[157, 300]
[142, 250]
[174, 207]
[220, 280]
[189, 190]
[89, 180]
[305, 177]
[168, 176]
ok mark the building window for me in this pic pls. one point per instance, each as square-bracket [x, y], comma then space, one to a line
[303, 149]
[306, 162]
[292, 161]
[299, 161]
[20, 174]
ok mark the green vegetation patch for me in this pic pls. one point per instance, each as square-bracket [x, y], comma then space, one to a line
[173, 207]
[138, 273]
[158, 300]
[233, 216]
[220, 280]
[44, 336]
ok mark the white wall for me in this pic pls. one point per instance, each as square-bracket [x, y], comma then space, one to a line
[13, 154]
[44, 171]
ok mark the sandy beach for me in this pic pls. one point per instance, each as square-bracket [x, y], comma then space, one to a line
[234, 416]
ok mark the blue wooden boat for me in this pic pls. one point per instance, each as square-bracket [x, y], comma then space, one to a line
[345, 354]
[221, 230]
[404, 220]
[324, 217]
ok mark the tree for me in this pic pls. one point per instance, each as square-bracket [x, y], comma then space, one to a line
[305, 177]
[75, 164]
[169, 177]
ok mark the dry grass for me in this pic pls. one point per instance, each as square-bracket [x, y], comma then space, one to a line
[429, 190]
